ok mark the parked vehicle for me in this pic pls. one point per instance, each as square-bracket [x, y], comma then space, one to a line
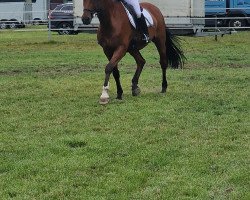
[39, 12]
[18, 13]
[14, 13]
[227, 13]
[62, 19]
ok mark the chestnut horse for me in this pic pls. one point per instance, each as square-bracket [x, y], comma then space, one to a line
[117, 37]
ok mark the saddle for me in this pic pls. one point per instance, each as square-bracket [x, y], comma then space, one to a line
[132, 15]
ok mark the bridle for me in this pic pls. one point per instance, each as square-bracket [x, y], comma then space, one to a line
[92, 12]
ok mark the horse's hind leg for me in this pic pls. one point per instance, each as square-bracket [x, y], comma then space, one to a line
[161, 47]
[140, 61]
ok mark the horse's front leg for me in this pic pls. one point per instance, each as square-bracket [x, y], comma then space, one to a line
[118, 54]
[116, 75]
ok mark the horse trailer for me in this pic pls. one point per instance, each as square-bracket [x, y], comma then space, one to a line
[18, 13]
[14, 13]
[40, 11]
[182, 17]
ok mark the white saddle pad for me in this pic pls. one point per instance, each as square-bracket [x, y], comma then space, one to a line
[148, 17]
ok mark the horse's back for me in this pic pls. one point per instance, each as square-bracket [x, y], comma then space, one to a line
[159, 22]
[154, 10]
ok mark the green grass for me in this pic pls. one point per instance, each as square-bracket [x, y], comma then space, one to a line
[57, 142]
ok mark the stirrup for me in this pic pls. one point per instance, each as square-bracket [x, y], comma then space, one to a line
[146, 38]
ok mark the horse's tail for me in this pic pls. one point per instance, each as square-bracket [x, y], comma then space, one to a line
[175, 54]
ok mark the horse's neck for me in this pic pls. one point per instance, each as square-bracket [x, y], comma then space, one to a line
[105, 19]
[105, 14]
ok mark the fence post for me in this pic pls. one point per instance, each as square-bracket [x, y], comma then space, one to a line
[49, 24]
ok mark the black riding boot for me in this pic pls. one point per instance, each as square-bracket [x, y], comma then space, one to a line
[143, 28]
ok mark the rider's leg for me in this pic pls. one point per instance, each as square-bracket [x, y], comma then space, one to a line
[143, 28]
[136, 6]
[140, 22]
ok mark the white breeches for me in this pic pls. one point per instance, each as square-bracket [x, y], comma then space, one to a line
[136, 6]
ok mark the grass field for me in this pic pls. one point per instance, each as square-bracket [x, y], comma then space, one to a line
[57, 142]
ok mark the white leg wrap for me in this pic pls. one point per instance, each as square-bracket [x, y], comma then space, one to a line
[105, 90]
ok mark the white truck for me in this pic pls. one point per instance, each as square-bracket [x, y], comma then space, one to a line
[181, 16]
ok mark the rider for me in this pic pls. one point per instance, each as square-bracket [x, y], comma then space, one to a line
[140, 20]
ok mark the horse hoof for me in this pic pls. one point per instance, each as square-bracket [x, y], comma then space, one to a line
[119, 98]
[136, 91]
[104, 101]
[164, 90]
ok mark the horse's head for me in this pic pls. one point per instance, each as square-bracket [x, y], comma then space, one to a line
[90, 8]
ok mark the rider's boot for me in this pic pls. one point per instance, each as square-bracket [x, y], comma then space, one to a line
[143, 28]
